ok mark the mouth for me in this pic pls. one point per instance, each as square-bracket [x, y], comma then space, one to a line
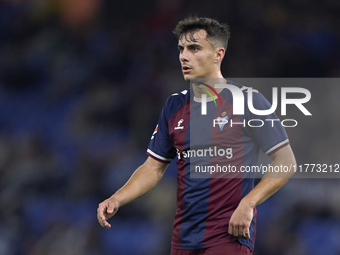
[186, 69]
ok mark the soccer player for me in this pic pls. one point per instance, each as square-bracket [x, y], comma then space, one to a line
[214, 215]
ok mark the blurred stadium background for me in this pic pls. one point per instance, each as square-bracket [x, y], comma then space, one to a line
[82, 83]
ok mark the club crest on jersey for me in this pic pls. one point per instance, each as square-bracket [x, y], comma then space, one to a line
[179, 124]
[221, 121]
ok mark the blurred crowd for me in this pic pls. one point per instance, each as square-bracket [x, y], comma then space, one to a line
[82, 83]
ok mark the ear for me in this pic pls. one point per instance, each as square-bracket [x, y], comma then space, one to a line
[219, 54]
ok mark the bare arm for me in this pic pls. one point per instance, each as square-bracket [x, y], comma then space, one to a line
[271, 182]
[140, 182]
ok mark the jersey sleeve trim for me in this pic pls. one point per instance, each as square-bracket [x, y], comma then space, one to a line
[277, 147]
[158, 157]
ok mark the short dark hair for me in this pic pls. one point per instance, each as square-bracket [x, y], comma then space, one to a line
[218, 34]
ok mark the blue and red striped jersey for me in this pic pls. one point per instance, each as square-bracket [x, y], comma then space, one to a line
[205, 204]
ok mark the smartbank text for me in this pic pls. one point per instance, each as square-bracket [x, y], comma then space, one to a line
[238, 105]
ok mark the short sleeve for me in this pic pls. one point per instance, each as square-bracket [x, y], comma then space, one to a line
[161, 146]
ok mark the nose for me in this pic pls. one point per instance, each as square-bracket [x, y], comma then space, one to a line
[183, 56]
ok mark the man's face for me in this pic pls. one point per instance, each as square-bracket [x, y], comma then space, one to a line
[197, 58]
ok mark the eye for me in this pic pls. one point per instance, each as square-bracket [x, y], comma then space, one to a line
[194, 49]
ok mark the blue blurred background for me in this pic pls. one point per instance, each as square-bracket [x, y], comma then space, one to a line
[82, 83]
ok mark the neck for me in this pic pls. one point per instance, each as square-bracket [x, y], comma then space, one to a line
[201, 85]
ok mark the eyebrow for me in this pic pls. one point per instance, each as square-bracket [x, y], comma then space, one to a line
[193, 45]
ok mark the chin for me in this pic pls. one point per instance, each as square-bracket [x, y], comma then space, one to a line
[188, 78]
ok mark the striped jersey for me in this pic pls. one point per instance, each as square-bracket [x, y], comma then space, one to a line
[216, 141]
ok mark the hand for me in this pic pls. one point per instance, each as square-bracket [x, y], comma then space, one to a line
[106, 210]
[240, 220]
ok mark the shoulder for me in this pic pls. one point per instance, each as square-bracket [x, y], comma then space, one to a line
[178, 98]
[176, 101]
